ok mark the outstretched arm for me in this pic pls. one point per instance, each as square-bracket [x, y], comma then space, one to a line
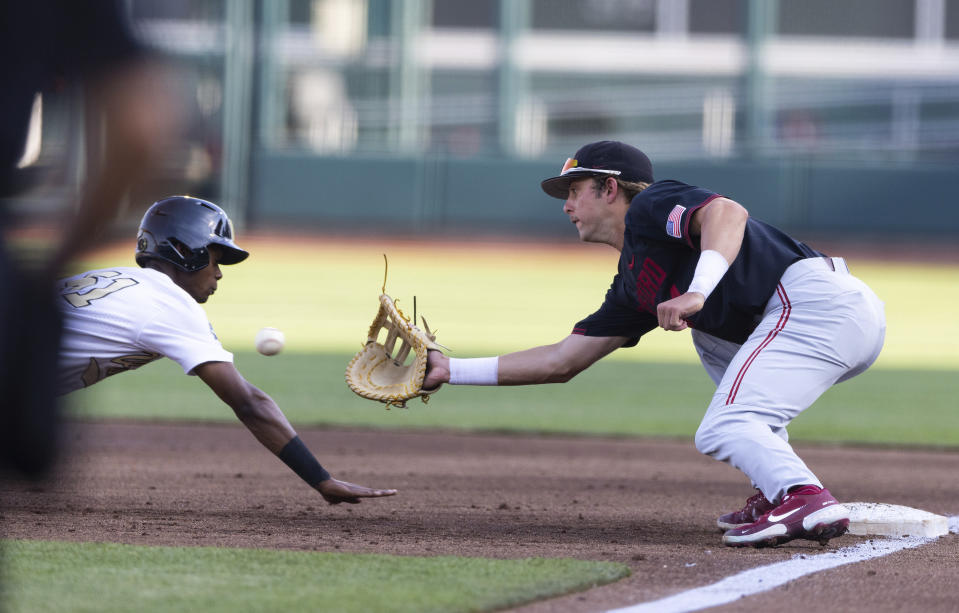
[261, 415]
[556, 363]
[140, 121]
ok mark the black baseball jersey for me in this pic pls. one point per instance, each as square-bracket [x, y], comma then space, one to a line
[659, 258]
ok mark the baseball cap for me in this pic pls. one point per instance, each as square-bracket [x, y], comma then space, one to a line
[606, 157]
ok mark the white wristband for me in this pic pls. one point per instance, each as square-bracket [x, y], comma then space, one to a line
[474, 371]
[709, 270]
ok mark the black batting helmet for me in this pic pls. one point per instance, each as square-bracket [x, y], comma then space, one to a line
[180, 229]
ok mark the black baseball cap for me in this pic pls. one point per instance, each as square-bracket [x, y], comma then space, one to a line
[606, 157]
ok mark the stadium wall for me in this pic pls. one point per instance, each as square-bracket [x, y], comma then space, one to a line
[431, 194]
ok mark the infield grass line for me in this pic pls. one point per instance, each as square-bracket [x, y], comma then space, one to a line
[765, 578]
[107, 577]
[611, 398]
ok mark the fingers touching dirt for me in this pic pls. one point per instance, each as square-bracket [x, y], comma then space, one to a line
[335, 491]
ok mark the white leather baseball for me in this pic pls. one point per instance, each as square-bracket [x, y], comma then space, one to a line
[269, 341]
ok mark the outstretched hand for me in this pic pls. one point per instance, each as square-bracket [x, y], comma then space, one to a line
[673, 313]
[437, 370]
[335, 491]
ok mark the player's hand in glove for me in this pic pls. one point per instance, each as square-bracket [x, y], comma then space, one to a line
[391, 367]
[673, 313]
[437, 370]
[335, 491]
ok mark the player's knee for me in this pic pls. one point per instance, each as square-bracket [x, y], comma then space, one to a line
[706, 438]
[713, 431]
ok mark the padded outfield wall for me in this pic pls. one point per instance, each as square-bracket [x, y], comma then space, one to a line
[431, 194]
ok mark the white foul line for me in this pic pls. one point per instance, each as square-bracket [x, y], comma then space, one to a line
[766, 578]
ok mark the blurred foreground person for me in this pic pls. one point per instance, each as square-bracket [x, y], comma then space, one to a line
[775, 324]
[50, 46]
[119, 319]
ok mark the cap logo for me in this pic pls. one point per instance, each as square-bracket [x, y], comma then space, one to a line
[572, 165]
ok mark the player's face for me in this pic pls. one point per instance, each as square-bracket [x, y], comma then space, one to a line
[587, 210]
[202, 283]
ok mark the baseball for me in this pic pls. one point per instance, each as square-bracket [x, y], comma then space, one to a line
[269, 341]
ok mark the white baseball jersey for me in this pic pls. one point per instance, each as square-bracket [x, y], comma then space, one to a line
[119, 319]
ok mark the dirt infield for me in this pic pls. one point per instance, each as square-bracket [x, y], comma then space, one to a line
[648, 504]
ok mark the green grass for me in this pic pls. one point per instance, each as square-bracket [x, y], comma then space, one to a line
[51, 576]
[491, 299]
[484, 300]
[612, 397]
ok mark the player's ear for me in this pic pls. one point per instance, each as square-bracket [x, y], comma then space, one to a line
[181, 249]
[611, 187]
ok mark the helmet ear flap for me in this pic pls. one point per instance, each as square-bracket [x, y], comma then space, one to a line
[181, 250]
[146, 247]
[191, 259]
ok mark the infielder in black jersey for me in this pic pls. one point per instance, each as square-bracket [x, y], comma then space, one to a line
[775, 324]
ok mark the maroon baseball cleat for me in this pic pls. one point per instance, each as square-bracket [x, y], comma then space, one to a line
[755, 507]
[808, 513]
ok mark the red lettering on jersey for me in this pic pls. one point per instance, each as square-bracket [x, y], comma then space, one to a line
[648, 282]
[655, 270]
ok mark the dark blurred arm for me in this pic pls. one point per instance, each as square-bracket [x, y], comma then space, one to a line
[139, 116]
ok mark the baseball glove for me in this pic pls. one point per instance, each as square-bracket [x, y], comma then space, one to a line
[383, 372]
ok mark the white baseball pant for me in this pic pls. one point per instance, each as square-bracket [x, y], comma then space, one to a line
[821, 326]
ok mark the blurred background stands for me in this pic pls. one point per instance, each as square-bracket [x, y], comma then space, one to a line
[825, 116]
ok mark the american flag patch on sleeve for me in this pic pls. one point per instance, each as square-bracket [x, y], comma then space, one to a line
[673, 228]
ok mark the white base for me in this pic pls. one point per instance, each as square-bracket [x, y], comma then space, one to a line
[881, 519]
